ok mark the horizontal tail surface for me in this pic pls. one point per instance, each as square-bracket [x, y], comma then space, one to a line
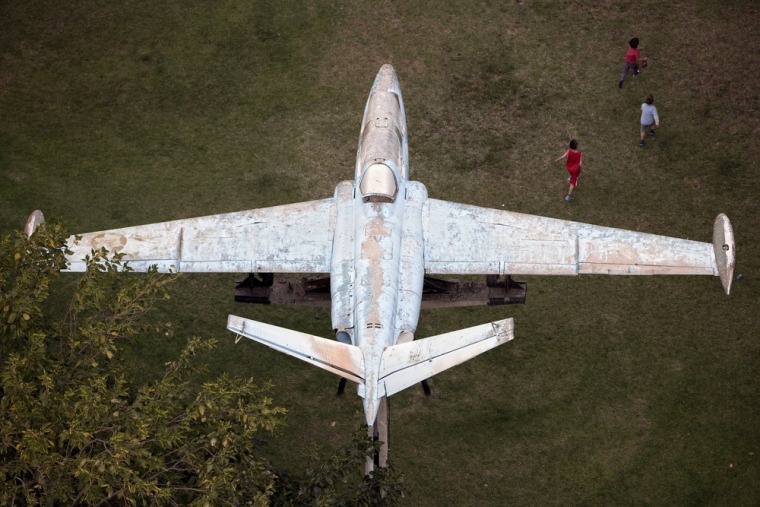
[331, 355]
[406, 364]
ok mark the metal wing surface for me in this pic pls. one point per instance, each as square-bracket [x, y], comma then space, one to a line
[464, 239]
[294, 238]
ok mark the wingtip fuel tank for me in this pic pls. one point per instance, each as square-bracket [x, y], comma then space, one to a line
[34, 221]
[724, 246]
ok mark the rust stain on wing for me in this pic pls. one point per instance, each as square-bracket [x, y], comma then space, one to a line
[112, 242]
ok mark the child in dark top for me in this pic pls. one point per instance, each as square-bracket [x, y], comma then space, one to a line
[631, 60]
[573, 165]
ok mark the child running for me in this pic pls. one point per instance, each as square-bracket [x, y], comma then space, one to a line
[649, 119]
[573, 165]
[631, 60]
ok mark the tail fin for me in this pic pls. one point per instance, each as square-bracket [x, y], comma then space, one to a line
[406, 364]
[331, 355]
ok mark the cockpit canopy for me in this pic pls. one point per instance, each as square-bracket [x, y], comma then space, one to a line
[378, 184]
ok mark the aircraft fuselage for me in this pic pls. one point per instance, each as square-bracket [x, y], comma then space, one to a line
[377, 268]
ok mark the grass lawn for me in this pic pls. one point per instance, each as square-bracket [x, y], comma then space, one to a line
[616, 390]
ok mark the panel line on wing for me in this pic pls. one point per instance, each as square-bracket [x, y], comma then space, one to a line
[292, 238]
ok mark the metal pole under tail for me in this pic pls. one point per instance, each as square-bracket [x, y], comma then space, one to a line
[380, 431]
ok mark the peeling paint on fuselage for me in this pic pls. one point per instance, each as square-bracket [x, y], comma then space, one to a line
[378, 233]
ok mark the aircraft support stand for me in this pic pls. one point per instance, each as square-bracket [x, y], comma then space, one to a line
[380, 431]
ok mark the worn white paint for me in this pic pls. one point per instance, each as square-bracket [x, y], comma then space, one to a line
[377, 237]
[290, 238]
[406, 364]
[724, 247]
[467, 239]
[34, 221]
[331, 355]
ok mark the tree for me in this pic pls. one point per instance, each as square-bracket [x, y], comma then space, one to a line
[75, 429]
[338, 481]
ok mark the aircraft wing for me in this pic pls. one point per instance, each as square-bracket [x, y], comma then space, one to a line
[464, 239]
[295, 238]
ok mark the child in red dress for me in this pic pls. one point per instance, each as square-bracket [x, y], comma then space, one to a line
[573, 165]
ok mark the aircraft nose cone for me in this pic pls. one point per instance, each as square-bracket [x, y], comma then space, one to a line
[387, 79]
[387, 68]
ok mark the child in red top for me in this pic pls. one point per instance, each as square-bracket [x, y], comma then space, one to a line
[573, 165]
[631, 60]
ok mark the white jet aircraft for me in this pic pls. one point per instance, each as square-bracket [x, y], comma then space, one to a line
[378, 237]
